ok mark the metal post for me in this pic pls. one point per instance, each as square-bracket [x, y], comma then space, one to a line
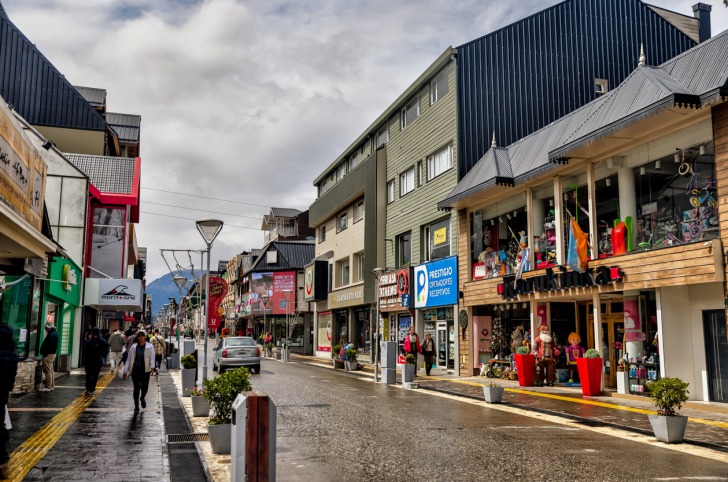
[206, 312]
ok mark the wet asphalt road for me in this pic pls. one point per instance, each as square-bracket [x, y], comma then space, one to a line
[334, 426]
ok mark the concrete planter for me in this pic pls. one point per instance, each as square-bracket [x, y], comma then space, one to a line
[669, 429]
[408, 374]
[188, 380]
[493, 394]
[338, 364]
[220, 438]
[351, 366]
[200, 407]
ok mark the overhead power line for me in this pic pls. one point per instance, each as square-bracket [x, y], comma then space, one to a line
[192, 219]
[202, 210]
[206, 197]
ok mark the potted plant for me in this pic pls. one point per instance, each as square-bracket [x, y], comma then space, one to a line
[269, 349]
[668, 395]
[200, 406]
[338, 363]
[189, 374]
[590, 373]
[525, 366]
[220, 392]
[493, 393]
[408, 371]
[351, 363]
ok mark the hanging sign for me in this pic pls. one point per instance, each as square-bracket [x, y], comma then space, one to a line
[218, 290]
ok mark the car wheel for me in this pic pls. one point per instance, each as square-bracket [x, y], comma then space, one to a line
[256, 369]
[221, 370]
[214, 367]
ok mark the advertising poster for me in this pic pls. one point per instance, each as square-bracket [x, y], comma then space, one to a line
[273, 284]
[324, 331]
[632, 320]
[218, 290]
[436, 283]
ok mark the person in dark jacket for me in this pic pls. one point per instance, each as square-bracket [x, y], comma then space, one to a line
[48, 351]
[95, 350]
[8, 370]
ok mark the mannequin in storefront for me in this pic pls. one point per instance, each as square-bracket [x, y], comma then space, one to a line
[574, 351]
[544, 347]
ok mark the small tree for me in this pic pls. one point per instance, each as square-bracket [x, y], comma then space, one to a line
[221, 391]
[668, 395]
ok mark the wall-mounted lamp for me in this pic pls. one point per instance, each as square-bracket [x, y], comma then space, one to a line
[702, 150]
[551, 203]
[492, 222]
[515, 214]
[676, 158]
[643, 171]
[658, 165]
[525, 305]
[609, 182]
[47, 145]
[500, 218]
[509, 216]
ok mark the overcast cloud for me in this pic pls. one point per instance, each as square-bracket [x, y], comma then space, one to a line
[249, 101]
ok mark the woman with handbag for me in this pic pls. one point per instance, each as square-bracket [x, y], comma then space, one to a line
[140, 364]
[428, 350]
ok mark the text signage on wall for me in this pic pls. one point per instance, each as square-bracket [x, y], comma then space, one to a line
[394, 287]
[315, 277]
[346, 297]
[436, 283]
[564, 280]
[324, 331]
[274, 284]
[109, 294]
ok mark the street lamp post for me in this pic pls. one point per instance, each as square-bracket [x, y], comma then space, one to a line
[286, 343]
[378, 273]
[181, 282]
[209, 229]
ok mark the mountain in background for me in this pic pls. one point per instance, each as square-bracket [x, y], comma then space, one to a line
[162, 289]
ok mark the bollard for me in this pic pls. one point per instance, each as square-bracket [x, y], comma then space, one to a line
[389, 362]
[253, 445]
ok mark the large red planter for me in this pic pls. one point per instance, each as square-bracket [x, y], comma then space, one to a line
[526, 366]
[590, 374]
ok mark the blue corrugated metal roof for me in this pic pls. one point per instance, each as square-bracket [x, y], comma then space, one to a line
[524, 76]
[701, 72]
[36, 89]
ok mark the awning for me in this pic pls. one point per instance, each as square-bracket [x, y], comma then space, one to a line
[114, 294]
[19, 239]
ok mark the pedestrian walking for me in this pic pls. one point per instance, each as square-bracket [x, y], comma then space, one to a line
[139, 364]
[412, 345]
[8, 370]
[48, 351]
[159, 349]
[428, 350]
[95, 350]
[117, 343]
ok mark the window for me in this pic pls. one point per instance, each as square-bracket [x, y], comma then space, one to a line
[439, 162]
[359, 261]
[343, 222]
[407, 181]
[341, 172]
[342, 272]
[420, 174]
[601, 86]
[438, 87]
[410, 112]
[322, 234]
[438, 240]
[108, 242]
[354, 161]
[359, 211]
[404, 249]
[390, 191]
[382, 136]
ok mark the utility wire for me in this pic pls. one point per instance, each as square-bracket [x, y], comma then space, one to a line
[201, 210]
[206, 197]
[191, 219]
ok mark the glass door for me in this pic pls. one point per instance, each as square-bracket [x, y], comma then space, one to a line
[716, 354]
[450, 345]
[442, 348]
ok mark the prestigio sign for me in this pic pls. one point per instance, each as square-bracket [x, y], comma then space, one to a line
[436, 283]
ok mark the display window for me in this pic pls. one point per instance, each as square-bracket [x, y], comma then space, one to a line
[676, 199]
[544, 226]
[499, 243]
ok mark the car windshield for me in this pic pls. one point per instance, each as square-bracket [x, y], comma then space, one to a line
[242, 341]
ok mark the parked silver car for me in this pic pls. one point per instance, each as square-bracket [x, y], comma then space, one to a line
[236, 351]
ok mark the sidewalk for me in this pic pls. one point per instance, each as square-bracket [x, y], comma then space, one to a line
[707, 427]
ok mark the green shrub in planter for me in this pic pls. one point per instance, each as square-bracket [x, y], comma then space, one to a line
[188, 361]
[335, 351]
[591, 353]
[668, 395]
[409, 359]
[523, 350]
[351, 355]
[222, 390]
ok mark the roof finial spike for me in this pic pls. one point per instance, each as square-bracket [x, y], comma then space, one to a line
[493, 144]
[643, 59]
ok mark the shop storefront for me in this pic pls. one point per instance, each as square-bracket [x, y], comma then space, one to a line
[436, 302]
[395, 305]
[62, 306]
[343, 318]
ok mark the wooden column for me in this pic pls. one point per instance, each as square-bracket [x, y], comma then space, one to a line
[720, 138]
[593, 232]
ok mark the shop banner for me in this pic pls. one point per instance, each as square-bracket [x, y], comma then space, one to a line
[632, 321]
[324, 331]
[394, 290]
[108, 294]
[218, 290]
[436, 283]
[273, 284]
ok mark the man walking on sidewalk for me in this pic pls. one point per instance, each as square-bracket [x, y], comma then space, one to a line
[95, 351]
[159, 347]
[139, 364]
[48, 351]
[8, 370]
[117, 342]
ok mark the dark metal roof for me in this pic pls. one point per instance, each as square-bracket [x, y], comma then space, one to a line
[36, 89]
[700, 73]
[95, 97]
[284, 212]
[293, 255]
[125, 125]
[108, 174]
[526, 75]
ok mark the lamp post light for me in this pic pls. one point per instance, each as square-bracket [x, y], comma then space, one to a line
[286, 343]
[264, 298]
[378, 274]
[209, 229]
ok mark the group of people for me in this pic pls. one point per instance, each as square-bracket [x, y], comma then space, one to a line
[412, 346]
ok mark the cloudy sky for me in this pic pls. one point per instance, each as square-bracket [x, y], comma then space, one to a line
[248, 101]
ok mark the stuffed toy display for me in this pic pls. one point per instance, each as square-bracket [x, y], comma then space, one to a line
[574, 351]
[544, 347]
[516, 338]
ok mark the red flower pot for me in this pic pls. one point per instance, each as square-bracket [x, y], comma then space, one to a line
[526, 366]
[590, 374]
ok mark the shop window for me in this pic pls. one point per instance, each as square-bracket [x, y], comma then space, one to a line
[607, 197]
[676, 199]
[544, 226]
[497, 242]
[576, 196]
[107, 245]
[15, 312]
[404, 250]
